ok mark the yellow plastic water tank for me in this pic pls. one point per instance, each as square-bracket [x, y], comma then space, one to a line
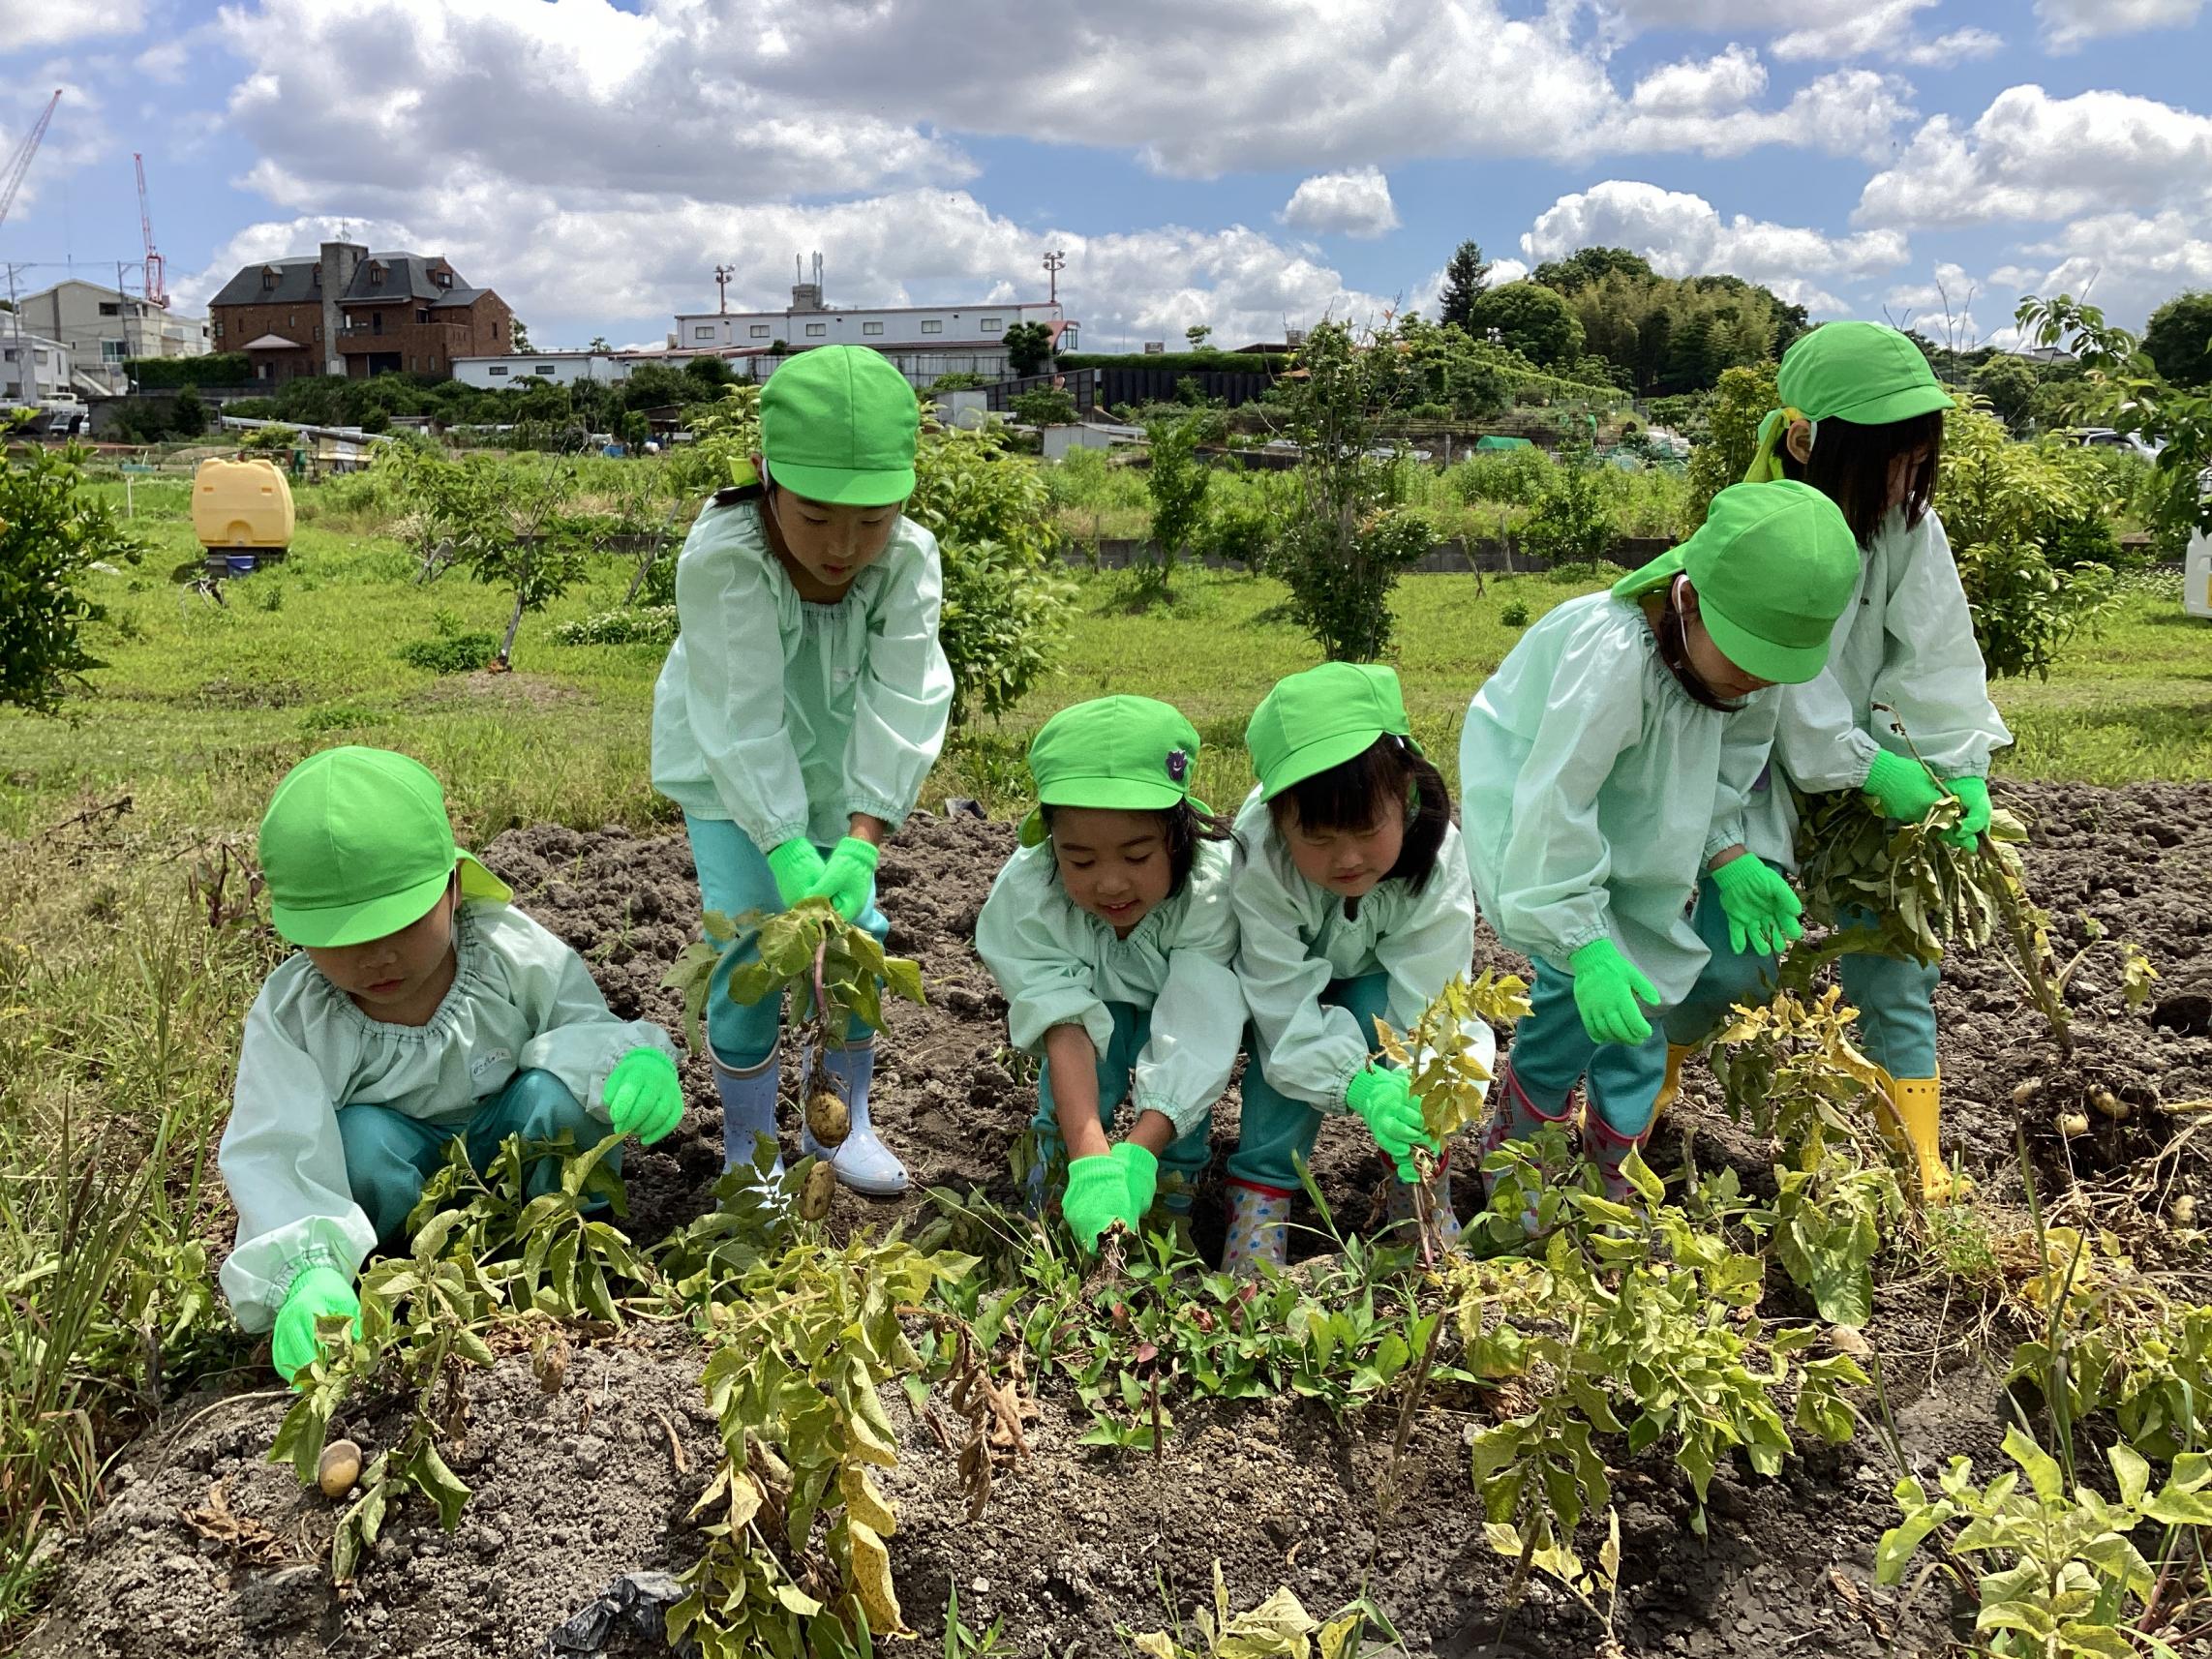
[242, 504]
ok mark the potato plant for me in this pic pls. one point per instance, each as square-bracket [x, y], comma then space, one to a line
[2054, 1566]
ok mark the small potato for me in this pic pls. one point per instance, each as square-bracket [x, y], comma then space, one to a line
[2026, 1092]
[2108, 1104]
[339, 1469]
[2073, 1124]
[814, 1196]
[1845, 1340]
[2184, 1211]
[826, 1119]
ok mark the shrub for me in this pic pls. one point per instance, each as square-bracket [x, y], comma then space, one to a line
[1739, 403]
[49, 534]
[215, 369]
[1045, 405]
[1514, 477]
[450, 652]
[1572, 522]
[1514, 614]
[1177, 482]
[1346, 546]
[1238, 531]
[1005, 603]
[1208, 362]
[2004, 503]
[639, 625]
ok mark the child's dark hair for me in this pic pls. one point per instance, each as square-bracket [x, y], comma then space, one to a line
[1850, 465]
[1182, 827]
[1346, 796]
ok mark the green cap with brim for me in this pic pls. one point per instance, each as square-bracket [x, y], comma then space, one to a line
[1136, 754]
[1774, 566]
[356, 845]
[1865, 373]
[839, 425]
[1321, 718]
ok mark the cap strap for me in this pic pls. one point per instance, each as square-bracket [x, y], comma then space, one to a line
[1766, 466]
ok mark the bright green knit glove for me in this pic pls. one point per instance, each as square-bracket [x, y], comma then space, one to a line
[1383, 1099]
[849, 877]
[1974, 796]
[643, 1096]
[1140, 1173]
[315, 1294]
[1761, 909]
[1903, 789]
[1606, 988]
[796, 866]
[1097, 1198]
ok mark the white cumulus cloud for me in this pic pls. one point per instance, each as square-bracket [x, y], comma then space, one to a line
[28, 23]
[1684, 236]
[2066, 23]
[2030, 156]
[1817, 30]
[1353, 202]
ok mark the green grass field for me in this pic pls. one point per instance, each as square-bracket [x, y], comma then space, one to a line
[202, 707]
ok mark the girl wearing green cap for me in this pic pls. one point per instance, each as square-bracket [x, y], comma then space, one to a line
[1111, 935]
[422, 1006]
[1863, 423]
[1608, 765]
[804, 702]
[1352, 903]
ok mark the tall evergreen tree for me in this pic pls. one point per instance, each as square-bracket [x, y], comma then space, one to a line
[1466, 276]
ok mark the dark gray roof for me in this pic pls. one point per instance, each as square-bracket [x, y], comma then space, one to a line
[407, 277]
[296, 283]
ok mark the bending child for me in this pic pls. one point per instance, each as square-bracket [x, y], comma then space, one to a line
[1863, 423]
[1351, 902]
[1606, 766]
[1111, 934]
[422, 1006]
[804, 703]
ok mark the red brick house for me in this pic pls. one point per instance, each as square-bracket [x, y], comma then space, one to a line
[349, 312]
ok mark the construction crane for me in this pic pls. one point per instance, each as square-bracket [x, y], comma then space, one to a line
[20, 162]
[156, 292]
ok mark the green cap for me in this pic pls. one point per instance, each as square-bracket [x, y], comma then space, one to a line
[355, 844]
[838, 424]
[1774, 566]
[1321, 718]
[1865, 373]
[1136, 753]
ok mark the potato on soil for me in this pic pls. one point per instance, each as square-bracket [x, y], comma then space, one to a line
[826, 1119]
[814, 1196]
[2109, 1104]
[2073, 1124]
[2184, 1211]
[340, 1468]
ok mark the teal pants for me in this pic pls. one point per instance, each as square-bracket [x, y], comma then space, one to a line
[1551, 1053]
[389, 1154]
[1896, 999]
[734, 878]
[1277, 1134]
[1185, 1159]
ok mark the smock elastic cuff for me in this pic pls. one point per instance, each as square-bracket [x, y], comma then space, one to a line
[1721, 839]
[313, 1256]
[875, 806]
[1184, 1118]
[771, 836]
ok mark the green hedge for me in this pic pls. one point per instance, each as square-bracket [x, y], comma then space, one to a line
[1181, 362]
[217, 369]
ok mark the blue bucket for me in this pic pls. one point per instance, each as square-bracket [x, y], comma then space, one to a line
[239, 564]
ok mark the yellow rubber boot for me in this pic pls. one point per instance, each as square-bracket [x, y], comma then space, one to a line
[1920, 1112]
[1672, 1085]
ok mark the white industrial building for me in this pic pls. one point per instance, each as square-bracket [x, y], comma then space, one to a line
[103, 327]
[923, 341]
[561, 368]
[32, 369]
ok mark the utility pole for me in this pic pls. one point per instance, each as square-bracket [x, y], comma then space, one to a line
[1055, 263]
[722, 276]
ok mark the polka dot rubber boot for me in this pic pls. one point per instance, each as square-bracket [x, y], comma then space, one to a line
[1259, 1228]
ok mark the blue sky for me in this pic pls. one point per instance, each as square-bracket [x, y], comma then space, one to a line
[1238, 162]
